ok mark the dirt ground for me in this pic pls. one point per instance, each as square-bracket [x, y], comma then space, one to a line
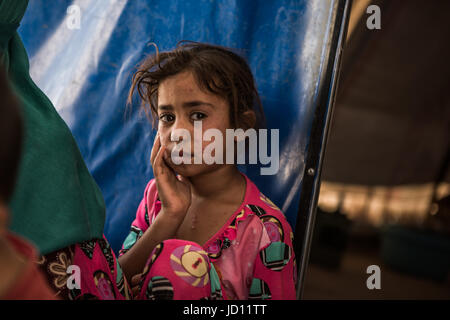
[349, 282]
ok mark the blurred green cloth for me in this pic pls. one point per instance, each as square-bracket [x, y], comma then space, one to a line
[56, 201]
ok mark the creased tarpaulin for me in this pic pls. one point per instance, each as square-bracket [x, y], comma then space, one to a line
[86, 72]
[56, 201]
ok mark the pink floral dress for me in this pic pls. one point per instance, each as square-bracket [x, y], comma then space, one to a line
[250, 257]
[100, 275]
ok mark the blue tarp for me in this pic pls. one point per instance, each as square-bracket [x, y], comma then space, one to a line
[84, 52]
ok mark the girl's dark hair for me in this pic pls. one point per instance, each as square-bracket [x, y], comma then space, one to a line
[216, 69]
[11, 136]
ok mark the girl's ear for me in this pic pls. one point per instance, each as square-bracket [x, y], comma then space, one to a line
[248, 119]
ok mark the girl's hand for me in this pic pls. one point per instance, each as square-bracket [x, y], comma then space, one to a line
[174, 191]
[135, 289]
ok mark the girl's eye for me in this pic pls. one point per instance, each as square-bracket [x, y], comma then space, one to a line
[196, 116]
[166, 118]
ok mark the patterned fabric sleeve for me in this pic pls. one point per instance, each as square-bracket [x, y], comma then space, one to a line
[274, 275]
[96, 273]
[148, 208]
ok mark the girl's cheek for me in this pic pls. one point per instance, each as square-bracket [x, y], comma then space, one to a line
[164, 137]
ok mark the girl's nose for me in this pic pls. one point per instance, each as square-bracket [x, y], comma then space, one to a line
[175, 137]
[179, 130]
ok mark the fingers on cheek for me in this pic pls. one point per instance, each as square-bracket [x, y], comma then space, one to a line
[166, 154]
[158, 157]
[164, 137]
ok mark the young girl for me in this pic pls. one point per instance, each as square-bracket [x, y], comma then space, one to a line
[204, 231]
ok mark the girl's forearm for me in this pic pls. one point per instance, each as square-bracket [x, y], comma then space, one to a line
[164, 227]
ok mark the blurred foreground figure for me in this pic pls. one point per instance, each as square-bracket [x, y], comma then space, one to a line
[20, 277]
[56, 203]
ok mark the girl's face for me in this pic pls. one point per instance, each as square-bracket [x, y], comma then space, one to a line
[181, 102]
